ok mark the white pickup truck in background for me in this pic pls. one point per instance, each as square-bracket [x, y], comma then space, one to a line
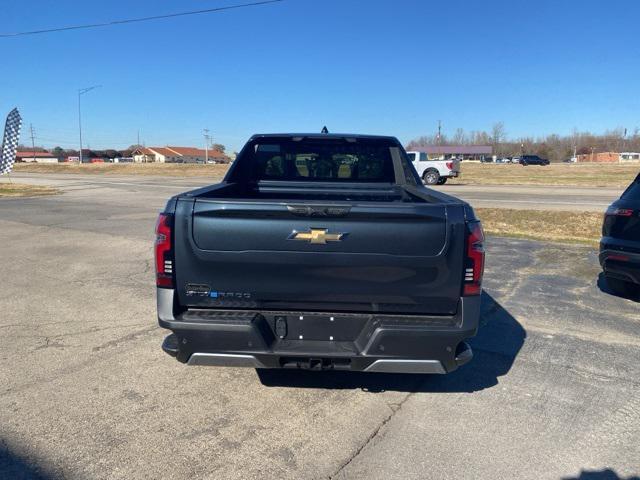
[434, 172]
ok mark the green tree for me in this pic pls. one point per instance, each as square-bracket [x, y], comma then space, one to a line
[58, 152]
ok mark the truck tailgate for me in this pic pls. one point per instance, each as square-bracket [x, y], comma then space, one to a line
[368, 257]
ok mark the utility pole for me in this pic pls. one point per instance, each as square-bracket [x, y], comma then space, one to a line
[439, 132]
[33, 142]
[138, 144]
[206, 145]
[81, 92]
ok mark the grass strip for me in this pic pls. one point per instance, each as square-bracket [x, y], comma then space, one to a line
[553, 226]
[212, 171]
[579, 175]
[24, 190]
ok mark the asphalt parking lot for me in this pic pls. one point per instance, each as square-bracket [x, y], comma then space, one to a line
[85, 391]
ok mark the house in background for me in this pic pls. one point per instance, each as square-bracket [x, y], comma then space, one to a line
[197, 155]
[154, 155]
[177, 155]
[630, 157]
[37, 157]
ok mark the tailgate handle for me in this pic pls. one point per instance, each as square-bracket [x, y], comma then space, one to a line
[319, 210]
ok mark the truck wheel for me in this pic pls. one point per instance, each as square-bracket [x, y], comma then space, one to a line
[442, 181]
[431, 176]
[622, 288]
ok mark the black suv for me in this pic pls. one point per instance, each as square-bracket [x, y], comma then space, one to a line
[620, 244]
[533, 160]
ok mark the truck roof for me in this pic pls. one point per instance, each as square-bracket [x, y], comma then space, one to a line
[322, 135]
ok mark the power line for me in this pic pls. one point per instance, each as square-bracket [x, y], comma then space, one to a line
[140, 19]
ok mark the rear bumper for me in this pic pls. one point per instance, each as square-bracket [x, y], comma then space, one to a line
[620, 264]
[318, 341]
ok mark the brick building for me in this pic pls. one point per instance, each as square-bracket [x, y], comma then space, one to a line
[609, 157]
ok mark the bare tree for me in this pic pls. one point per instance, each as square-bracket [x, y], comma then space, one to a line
[424, 141]
[480, 138]
[554, 147]
[498, 135]
[459, 137]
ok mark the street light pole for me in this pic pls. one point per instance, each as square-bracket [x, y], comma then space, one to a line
[81, 92]
[80, 127]
[206, 145]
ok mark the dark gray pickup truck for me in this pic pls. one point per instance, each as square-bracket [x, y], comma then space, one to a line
[320, 252]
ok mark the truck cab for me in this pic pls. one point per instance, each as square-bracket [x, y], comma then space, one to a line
[436, 171]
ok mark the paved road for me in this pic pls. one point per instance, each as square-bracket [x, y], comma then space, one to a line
[86, 392]
[593, 199]
[530, 197]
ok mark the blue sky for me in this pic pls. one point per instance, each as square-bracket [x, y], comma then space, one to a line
[366, 66]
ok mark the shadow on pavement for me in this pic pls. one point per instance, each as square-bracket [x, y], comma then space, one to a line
[495, 348]
[14, 467]
[605, 288]
[606, 474]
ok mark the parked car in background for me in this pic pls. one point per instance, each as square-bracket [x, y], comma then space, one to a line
[434, 172]
[570, 160]
[515, 160]
[620, 244]
[533, 160]
[503, 160]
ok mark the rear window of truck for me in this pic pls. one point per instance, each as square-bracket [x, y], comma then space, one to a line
[331, 160]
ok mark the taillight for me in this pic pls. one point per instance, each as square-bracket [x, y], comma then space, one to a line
[618, 256]
[164, 251]
[619, 212]
[450, 165]
[474, 263]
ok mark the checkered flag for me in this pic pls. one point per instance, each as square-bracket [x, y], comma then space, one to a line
[10, 141]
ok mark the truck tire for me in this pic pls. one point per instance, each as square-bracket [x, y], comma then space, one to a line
[442, 180]
[431, 176]
[622, 288]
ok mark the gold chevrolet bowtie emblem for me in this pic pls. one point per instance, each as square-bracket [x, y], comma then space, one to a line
[317, 235]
